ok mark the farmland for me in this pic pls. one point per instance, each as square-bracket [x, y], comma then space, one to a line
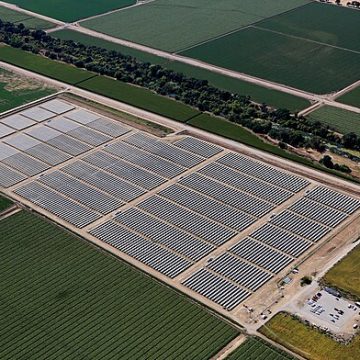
[341, 120]
[351, 98]
[17, 90]
[337, 26]
[180, 25]
[308, 342]
[69, 11]
[259, 94]
[81, 301]
[28, 21]
[345, 274]
[256, 349]
[4, 203]
[273, 56]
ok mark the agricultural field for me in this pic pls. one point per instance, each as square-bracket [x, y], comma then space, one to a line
[83, 303]
[139, 97]
[182, 24]
[29, 21]
[4, 203]
[16, 90]
[70, 11]
[257, 93]
[273, 56]
[308, 342]
[341, 120]
[257, 349]
[351, 98]
[336, 26]
[44, 66]
[345, 275]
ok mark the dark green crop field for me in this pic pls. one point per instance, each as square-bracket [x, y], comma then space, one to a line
[44, 66]
[333, 25]
[291, 61]
[139, 97]
[343, 121]
[351, 98]
[257, 349]
[257, 93]
[69, 10]
[4, 204]
[63, 299]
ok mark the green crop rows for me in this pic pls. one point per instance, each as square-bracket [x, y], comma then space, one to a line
[4, 203]
[351, 98]
[62, 298]
[341, 120]
[256, 349]
[69, 10]
[277, 57]
[180, 24]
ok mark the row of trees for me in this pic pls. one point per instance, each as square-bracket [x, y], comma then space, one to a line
[279, 124]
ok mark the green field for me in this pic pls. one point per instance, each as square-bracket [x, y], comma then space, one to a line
[308, 342]
[257, 349]
[295, 62]
[333, 25]
[345, 275]
[181, 24]
[28, 21]
[341, 120]
[4, 203]
[63, 299]
[16, 90]
[44, 66]
[139, 97]
[351, 98]
[258, 94]
[70, 11]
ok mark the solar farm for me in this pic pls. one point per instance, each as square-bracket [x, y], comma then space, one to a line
[216, 224]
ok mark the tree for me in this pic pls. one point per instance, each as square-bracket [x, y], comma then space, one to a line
[327, 162]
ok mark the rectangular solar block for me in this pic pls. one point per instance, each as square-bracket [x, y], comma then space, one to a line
[80, 192]
[89, 136]
[281, 240]
[264, 172]
[57, 106]
[163, 150]
[108, 127]
[299, 225]
[124, 170]
[187, 220]
[37, 114]
[228, 195]
[6, 151]
[318, 212]
[5, 130]
[246, 183]
[69, 145]
[261, 255]
[17, 122]
[22, 142]
[9, 177]
[82, 116]
[215, 288]
[48, 154]
[196, 146]
[43, 133]
[239, 271]
[334, 199]
[208, 207]
[58, 205]
[145, 251]
[26, 164]
[62, 124]
[165, 234]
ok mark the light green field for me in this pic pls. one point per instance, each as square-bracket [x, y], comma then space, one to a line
[257, 349]
[333, 25]
[341, 120]
[64, 299]
[173, 25]
[308, 342]
[295, 62]
[345, 275]
[351, 98]
[70, 11]
[16, 90]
